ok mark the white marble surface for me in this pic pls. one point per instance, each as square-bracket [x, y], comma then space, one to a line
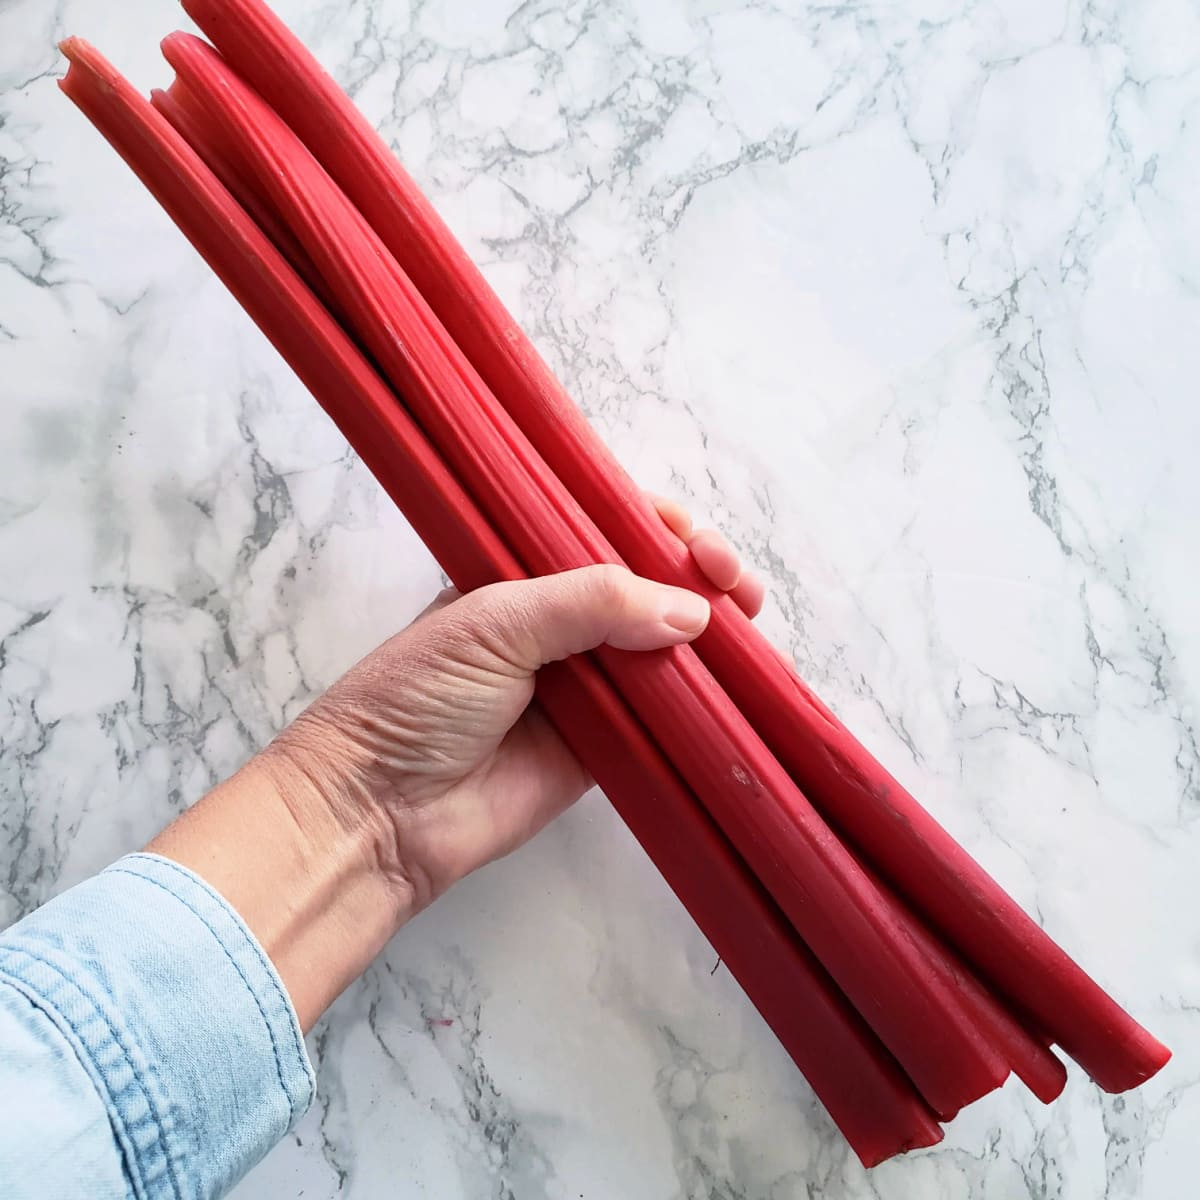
[904, 296]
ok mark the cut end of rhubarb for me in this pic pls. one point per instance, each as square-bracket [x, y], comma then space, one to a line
[79, 54]
[1045, 1076]
[87, 68]
[184, 42]
[180, 49]
[1143, 1062]
[930, 1134]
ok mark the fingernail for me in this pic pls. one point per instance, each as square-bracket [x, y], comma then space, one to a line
[684, 610]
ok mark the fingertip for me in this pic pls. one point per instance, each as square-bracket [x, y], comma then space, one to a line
[654, 616]
[749, 594]
[685, 612]
[676, 518]
[716, 558]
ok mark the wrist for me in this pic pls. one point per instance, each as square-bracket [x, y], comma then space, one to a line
[301, 869]
[324, 768]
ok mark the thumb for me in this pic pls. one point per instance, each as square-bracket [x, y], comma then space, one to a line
[537, 621]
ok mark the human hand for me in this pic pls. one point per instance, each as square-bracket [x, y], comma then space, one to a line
[423, 762]
[433, 736]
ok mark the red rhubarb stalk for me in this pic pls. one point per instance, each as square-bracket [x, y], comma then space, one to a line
[852, 930]
[870, 1098]
[872, 1101]
[204, 136]
[905, 844]
[188, 119]
[1032, 1060]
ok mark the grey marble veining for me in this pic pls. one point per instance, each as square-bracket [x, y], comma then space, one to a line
[902, 296]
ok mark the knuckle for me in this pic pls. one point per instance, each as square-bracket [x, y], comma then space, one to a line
[497, 624]
[612, 590]
[611, 583]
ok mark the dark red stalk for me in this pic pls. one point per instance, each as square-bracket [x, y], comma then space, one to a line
[904, 843]
[1032, 1060]
[868, 1096]
[851, 929]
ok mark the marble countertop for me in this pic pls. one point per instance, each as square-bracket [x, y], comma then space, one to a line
[902, 296]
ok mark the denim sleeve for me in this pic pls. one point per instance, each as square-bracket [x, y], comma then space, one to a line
[147, 1047]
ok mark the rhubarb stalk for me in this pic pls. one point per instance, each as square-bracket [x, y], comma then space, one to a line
[873, 1103]
[862, 800]
[852, 930]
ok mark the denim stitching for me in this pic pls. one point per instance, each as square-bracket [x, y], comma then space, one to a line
[279, 1068]
[248, 940]
[126, 1146]
[115, 1034]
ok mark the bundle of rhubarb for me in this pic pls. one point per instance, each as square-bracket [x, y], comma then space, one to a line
[898, 975]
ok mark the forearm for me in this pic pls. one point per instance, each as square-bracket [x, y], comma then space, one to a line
[303, 868]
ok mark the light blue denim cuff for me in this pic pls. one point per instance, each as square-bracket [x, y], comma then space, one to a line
[177, 1015]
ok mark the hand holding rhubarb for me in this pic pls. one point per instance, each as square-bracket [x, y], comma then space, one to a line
[869, 808]
[434, 734]
[421, 764]
[897, 974]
